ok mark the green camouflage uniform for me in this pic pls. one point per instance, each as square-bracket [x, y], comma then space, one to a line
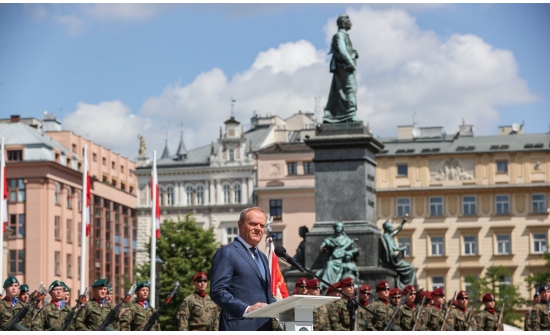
[321, 319]
[457, 320]
[486, 321]
[92, 315]
[384, 310]
[527, 322]
[136, 317]
[8, 312]
[434, 319]
[197, 313]
[51, 318]
[330, 311]
[540, 316]
[339, 316]
[406, 317]
[364, 320]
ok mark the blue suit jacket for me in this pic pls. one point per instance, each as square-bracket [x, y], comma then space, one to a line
[236, 284]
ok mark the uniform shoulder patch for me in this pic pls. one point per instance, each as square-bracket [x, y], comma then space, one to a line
[533, 315]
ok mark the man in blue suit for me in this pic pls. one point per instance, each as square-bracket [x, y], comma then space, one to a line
[241, 281]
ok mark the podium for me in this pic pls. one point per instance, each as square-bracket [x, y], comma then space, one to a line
[295, 311]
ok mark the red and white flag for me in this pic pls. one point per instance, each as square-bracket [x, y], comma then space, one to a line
[86, 187]
[278, 285]
[4, 191]
[155, 194]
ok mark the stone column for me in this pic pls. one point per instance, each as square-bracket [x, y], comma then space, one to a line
[244, 191]
[219, 193]
[212, 193]
[206, 193]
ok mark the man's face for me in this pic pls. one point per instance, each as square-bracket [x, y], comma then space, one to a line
[411, 297]
[545, 295]
[395, 300]
[67, 296]
[314, 291]
[253, 227]
[384, 294]
[109, 296]
[200, 284]
[439, 300]
[12, 291]
[57, 293]
[537, 299]
[24, 297]
[142, 294]
[348, 290]
[463, 302]
[100, 292]
[364, 296]
[489, 304]
[302, 290]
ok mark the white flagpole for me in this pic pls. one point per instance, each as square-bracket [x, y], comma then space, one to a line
[2, 177]
[154, 178]
[83, 238]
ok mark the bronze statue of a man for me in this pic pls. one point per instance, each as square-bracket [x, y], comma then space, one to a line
[342, 100]
[391, 256]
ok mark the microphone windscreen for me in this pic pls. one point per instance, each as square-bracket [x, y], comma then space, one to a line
[280, 251]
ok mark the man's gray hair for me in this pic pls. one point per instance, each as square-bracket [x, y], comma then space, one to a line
[246, 210]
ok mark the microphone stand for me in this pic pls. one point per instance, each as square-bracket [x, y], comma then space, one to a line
[351, 301]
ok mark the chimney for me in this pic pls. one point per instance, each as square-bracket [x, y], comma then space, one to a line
[15, 118]
[404, 132]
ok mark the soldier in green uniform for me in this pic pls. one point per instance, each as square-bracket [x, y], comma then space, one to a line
[24, 296]
[435, 312]
[109, 296]
[138, 313]
[332, 293]
[382, 305]
[540, 314]
[198, 311]
[423, 309]
[458, 315]
[320, 314]
[486, 320]
[67, 294]
[10, 305]
[51, 317]
[364, 318]
[527, 320]
[339, 316]
[93, 313]
[407, 315]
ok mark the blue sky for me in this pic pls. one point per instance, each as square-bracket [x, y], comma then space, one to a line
[110, 72]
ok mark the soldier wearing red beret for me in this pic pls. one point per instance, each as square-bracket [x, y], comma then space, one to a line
[198, 311]
[436, 314]
[395, 296]
[321, 320]
[339, 316]
[332, 293]
[364, 318]
[487, 319]
[301, 286]
[458, 316]
[407, 316]
[382, 305]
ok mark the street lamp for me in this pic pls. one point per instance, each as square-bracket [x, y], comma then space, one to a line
[158, 267]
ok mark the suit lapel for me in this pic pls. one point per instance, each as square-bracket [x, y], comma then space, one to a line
[241, 249]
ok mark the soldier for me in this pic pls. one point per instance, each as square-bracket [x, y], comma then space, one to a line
[10, 305]
[435, 312]
[364, 318]
[332, 293]
[67, 294]
[93, 313]
[52, 316]
[301, 286]
[424, 309]
[458, 315]
[339, 316]
[109, 296]
[382, 306]
[198, 311]
[408, 311]
[527, 320]
[136, 316]
[395, 296]
[540, 314]
[24, 296]
[320, 314]
[486, 320]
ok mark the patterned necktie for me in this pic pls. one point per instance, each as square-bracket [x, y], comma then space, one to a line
[258, 261]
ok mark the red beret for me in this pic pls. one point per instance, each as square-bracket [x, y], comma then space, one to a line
[200, 275]
[439, 292]
[302, 281]
[346, 282]
[428, 295]
[462, 294]
[336, 285]
[382, 285]
[395, 291]
[488, 297]
[409, 288]
[313, 283]
[365, 288]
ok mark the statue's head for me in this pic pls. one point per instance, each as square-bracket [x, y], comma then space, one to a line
[303, 230]
[338, 227]
[344, 22]
[388, 227]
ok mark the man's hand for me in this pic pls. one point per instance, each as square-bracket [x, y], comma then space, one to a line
[256, 306]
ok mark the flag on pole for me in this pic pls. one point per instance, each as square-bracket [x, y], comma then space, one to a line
[4, 191]
[86, 188]
[155, 194]
[278, 285]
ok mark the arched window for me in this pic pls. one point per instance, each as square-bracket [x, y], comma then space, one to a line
[237, 191]
[189, 192]
[226, 194]
[170, 196]
[200, 195]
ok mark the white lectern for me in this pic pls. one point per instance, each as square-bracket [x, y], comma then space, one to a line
[295, 311]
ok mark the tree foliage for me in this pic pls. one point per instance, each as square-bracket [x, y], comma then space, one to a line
[185, 249]
[539, 277]
[504, 293]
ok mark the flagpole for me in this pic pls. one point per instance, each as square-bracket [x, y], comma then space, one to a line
[83, 224]
[2, 214]
[154, 181]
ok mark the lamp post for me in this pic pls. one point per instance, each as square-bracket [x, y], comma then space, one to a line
[158, 268]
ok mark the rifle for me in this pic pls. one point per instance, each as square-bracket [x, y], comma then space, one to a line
[420, 309]
[500, 317]
[114, 312]
[447, 312]
[35, 297]
[69, 317]
[470, 315]
[155, 315]
[391, 321]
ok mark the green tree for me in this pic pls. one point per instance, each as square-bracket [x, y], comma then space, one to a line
[539, 277]
[504, 293]
[185, 249]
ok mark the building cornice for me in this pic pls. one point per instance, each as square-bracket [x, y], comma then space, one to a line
[514, 188]
[174, 171]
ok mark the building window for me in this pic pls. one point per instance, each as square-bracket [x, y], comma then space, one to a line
[505, 281]
[113, 165]
[17, 190]
[232, 233]
[436, 206]
[58, 263]
[277, 238]
[503, 244]
[276, 209]
[292, 168]
[438, 282]
[438, 246]
[69, 265]
[104, 161]
[469, 205]
[189, 193]
[170, 196]
[502, 166]
[70, 197]
[470, 245]
[538, 203]
[57, 228]
[58, 193]
[200, 195]
[502, 204]
[237, 193]
[231, 155]
[226, 194]
[17, 262]
[15, 155]
[122, 168]
[69, 231]
[407, 243]
[403, 207]
[402, 170]
[17, 223]
[539, 243]
[309, 168]
[74, 148]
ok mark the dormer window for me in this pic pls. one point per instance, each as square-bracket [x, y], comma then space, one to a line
[231, 155]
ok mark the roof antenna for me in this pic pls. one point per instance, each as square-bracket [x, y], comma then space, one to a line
[414, 122]
[232, 104]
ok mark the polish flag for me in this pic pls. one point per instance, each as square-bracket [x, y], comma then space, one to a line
[278, 285]
[87, 192]
[155, 197]
[4, 191]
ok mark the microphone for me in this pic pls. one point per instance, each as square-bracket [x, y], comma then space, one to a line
[280, 251]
